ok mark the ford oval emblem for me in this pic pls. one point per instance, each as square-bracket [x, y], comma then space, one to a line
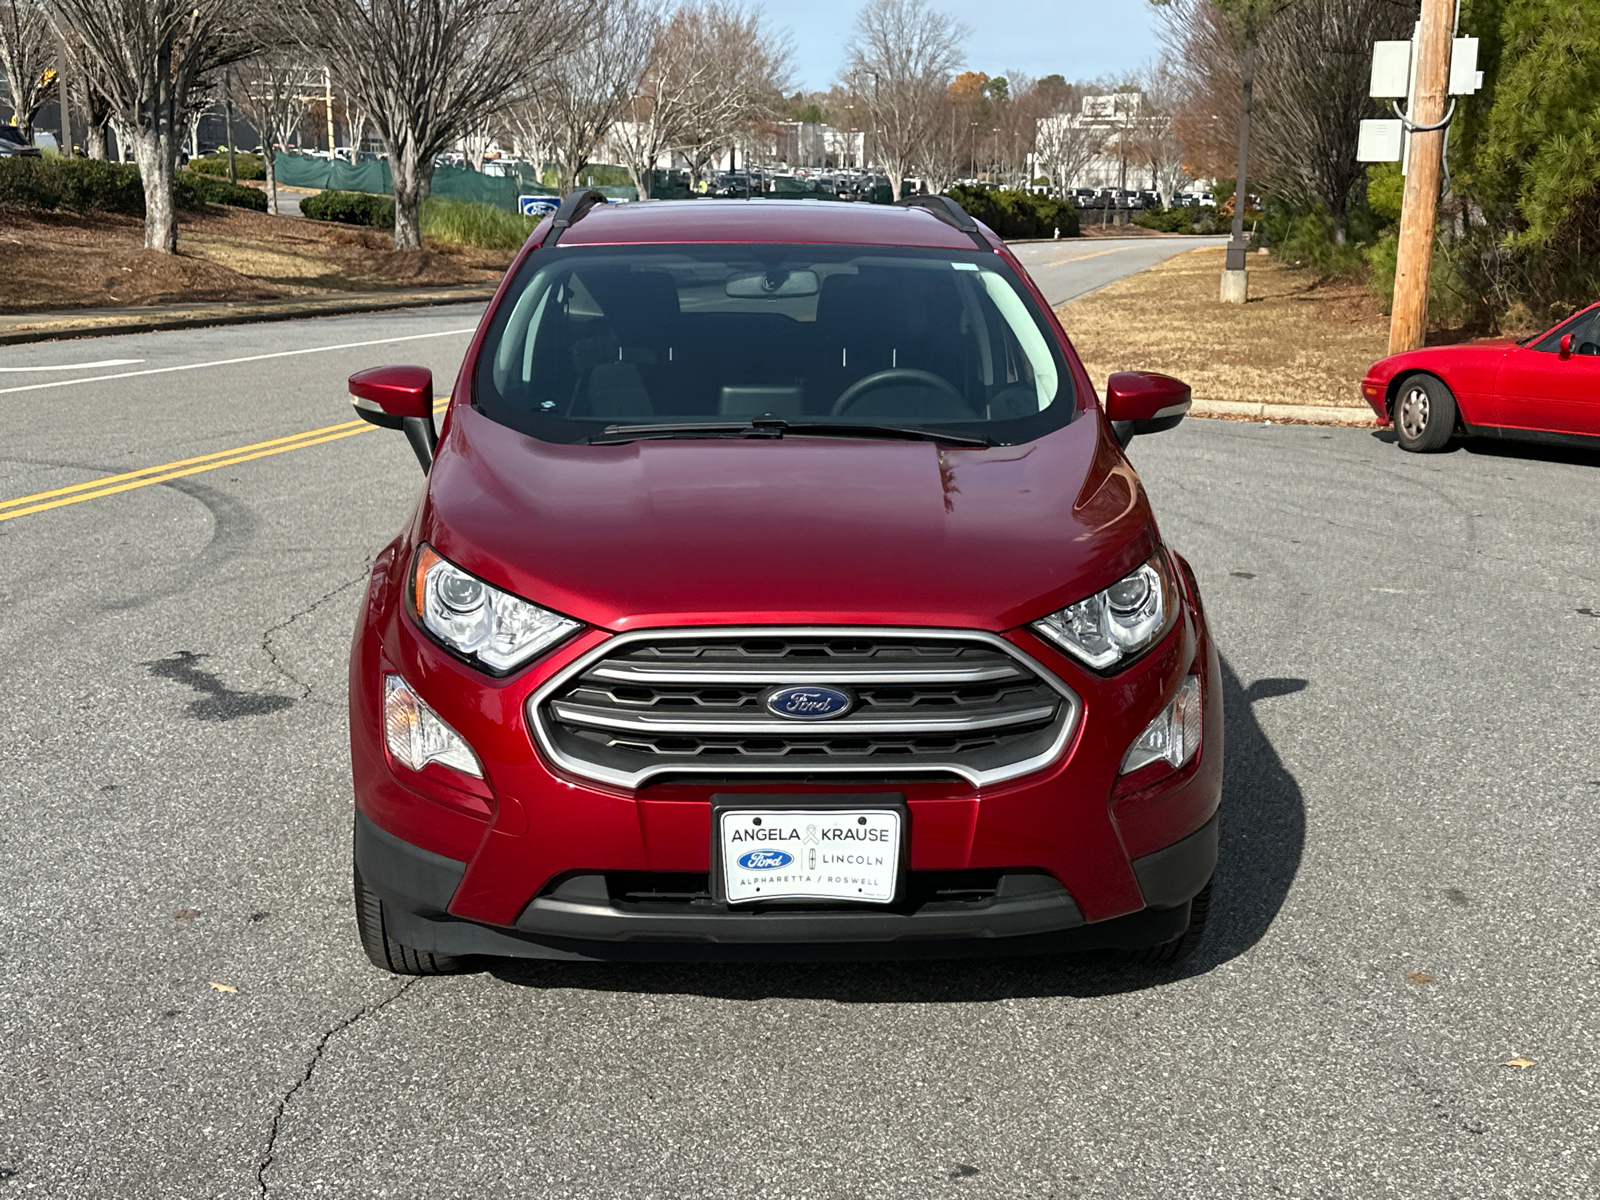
[809, 703]
[765, 860]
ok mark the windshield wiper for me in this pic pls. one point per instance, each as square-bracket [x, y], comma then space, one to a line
[633, 433]
[776, 427]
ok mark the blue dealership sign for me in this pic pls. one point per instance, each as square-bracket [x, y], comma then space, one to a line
[537, 206]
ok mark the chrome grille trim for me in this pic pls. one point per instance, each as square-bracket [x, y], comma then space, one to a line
[646, 722]
[539, 707]
[777, 677]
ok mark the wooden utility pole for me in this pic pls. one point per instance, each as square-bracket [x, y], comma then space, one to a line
[1409, 323]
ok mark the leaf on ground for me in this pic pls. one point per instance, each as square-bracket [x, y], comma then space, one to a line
[1521, 1064]
[1420, 977]
[186, 914]
[224, 987]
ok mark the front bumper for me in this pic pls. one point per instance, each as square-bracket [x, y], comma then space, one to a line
[498, 866]
[1029, 913]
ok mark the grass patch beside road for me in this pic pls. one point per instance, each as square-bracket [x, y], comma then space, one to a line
[1302, 339]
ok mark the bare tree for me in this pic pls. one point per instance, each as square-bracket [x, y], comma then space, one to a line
[268, 88]
[149, 59]
[899, 64]
[947, 149]
[427, 71]
[1065, 142]
[26, 54]
[731, 108]
[1153, 138]
[572, 105]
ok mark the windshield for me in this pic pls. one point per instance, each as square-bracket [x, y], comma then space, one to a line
[944, 341]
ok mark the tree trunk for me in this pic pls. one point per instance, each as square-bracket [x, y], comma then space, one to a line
[94, 141]
[411, 178]
[155, 153]
[270, 167]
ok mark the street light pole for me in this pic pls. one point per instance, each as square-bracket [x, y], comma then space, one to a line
[1408, 324]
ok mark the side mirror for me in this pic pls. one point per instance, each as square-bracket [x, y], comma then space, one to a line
[1144, 402]
[399, 398]
[1565, 345]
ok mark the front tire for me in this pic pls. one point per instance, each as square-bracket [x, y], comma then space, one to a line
[1180, 947]
[386, 953]
[1424, 414]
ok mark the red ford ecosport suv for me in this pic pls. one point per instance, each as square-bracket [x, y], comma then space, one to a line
[778, 587]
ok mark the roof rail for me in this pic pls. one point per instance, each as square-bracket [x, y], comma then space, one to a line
[951, 213]
[572, 208]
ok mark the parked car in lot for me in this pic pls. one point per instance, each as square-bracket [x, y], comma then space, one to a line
[14, 145]
[779, 587]
[1544, 388]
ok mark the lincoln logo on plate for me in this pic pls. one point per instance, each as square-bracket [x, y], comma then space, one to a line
[809, 703]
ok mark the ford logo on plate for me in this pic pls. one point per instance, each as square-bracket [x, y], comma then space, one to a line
[765, 860]
[809, 703]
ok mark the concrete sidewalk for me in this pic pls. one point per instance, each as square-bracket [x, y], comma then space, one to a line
[19, 328]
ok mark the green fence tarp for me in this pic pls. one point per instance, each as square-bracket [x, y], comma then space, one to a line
[449, 183]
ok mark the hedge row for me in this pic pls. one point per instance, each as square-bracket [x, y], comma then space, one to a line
[245, 166]
[1018, 214]
[94, 185]
[350, 208]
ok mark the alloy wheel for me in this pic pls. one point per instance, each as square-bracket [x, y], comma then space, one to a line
[1414, 412]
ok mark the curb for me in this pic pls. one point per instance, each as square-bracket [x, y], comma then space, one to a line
[1300, 414]
[63, 326]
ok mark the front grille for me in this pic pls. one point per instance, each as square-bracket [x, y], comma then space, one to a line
[692, 703]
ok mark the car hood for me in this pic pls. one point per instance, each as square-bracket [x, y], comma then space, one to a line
[717, 531]
[1480, 353]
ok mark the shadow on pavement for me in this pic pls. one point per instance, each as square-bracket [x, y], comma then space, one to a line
[1494, 447]
[1262, 841]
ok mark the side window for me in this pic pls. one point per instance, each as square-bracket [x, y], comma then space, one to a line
[1584, 331]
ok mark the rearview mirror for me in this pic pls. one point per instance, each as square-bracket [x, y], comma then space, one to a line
[1566, 345]
[1144, 402]
[772, 285]
[399, 398]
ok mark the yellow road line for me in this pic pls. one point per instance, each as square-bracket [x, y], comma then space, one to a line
[111, 485]
[95, 484]
[1079, 258]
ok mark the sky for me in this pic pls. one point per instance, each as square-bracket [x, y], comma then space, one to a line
[1080, 39]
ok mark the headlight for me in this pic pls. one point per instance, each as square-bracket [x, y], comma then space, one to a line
[1174, 735]
[416, 736]
[1115, 625]
[499, 630]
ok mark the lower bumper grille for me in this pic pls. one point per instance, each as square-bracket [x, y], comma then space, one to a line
[694, 702]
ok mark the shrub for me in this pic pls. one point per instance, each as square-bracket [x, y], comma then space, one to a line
[193, 191]
[350, 208]
[77, 184]
[468, 223]
[245, 166]
[95, 185]
[1168, 220]
[1017, 214]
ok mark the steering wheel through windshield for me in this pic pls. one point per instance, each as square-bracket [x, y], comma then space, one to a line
[893, 377]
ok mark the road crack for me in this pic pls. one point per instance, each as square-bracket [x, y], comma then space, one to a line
[267, 637]
[366, 1010]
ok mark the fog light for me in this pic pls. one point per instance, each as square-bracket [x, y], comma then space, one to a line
[1174, 736]
[416, 736]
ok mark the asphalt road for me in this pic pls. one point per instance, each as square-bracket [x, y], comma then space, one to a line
[1413, 783]
[1067, 269]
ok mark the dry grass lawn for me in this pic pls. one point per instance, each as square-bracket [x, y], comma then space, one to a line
[1298, 341]
[51, 261]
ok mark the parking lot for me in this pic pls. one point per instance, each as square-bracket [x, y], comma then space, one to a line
[1396, 997]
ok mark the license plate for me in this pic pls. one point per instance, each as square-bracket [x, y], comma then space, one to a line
[809, 854]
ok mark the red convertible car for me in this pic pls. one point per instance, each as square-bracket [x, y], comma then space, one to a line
[1544, 388]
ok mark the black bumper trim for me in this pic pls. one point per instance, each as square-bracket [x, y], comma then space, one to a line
[405, 876]
[1031, 914]
[1174, 875]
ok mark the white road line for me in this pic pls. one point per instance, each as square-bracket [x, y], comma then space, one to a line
[228, 362]
[104, 362]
